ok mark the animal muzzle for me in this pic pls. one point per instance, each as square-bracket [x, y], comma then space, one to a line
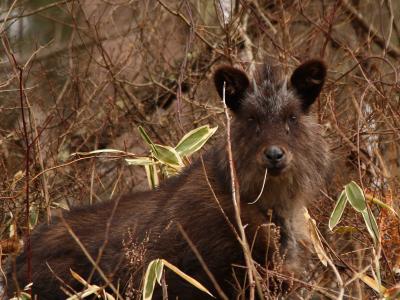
[276, 159]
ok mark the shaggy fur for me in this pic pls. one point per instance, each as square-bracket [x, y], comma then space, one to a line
[268, 109]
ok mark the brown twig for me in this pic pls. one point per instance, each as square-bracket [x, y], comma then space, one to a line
[392, 50]
[251, 270]
[184, 19]
[203, 263]
[36, 11]
[90, 258]
[20, 70]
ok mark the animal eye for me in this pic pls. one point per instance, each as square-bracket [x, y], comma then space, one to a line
[254, 124]
[252, 121]
[292, 119]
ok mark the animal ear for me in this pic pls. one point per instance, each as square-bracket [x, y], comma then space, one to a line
[236, 84]
[308, 80]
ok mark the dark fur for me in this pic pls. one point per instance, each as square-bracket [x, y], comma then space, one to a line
[268, 110]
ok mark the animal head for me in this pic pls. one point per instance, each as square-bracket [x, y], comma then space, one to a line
[272, 128]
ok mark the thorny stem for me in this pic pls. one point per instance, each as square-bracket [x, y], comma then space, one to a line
[253, 282]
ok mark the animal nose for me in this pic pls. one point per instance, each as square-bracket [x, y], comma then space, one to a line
[275, 154]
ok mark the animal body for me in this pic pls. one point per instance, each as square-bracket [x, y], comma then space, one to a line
[272, 129]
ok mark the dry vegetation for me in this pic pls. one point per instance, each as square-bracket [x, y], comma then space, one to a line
[80, 75]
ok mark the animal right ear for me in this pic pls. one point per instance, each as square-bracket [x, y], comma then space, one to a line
[308, 80]
[236, 84]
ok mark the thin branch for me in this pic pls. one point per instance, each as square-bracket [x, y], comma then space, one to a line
[202, 262]
[20, 71]
[89, 257]
[184, 19]
[253, 280]
[36, 11]
[392, 50]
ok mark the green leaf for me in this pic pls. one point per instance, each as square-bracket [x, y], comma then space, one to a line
[145, 137]
[168, 155]
[371, 224]
[338, 210]
[194, 140]
[355, 196]
[140, 161]
[153, 273]
[100, 151]
[152, 176]
[189, 279]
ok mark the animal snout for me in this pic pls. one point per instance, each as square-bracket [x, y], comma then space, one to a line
[276, 159]
[275, 155]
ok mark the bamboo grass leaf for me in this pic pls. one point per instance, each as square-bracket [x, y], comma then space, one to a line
[338, 210]
[355, 196]
[153, 274]
[194, 140]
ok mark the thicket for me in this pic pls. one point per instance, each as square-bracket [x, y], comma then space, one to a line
[76, 76]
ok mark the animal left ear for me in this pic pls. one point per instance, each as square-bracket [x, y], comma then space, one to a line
[308, 80]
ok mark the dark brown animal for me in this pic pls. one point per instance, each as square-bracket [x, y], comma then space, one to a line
[271, 129]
